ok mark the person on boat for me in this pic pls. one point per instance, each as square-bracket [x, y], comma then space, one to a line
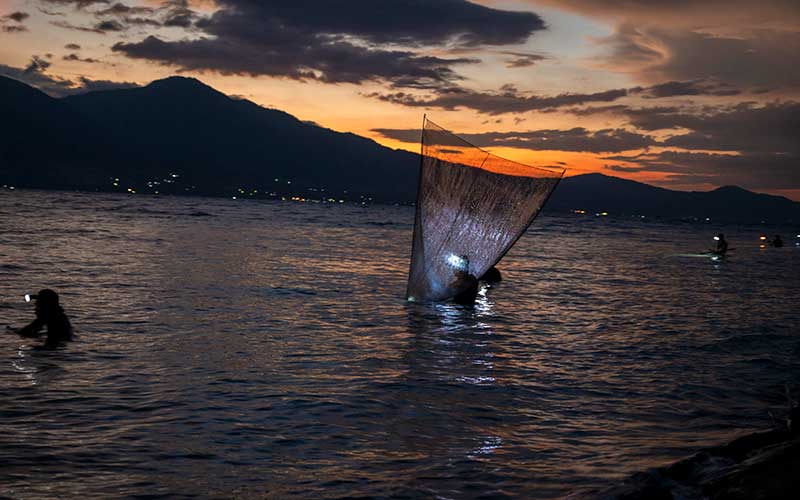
[50, 314]
[777, 242]
[722, 245]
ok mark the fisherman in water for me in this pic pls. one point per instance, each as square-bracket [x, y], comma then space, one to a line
[492, 275]
[722, 245]
[48, 314]
[464, 283]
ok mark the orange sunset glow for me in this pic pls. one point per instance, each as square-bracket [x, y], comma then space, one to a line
[688, 97]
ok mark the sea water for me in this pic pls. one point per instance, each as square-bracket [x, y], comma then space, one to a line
[253, 349]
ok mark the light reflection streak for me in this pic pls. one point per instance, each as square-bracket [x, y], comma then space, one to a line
[593, 353]
[19, 365]
[488, 446]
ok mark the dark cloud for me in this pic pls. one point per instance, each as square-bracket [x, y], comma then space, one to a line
[119, 9]
[14, 29]
[180, 20]
[639, 116]
[745, 127]
[109, 26]
[89, 85]
[752, 171]
[756, 58]
[14, 17]
[178, 14]
[35, 74]
[749, 140]
[751, 145]
[774, 128]
[408, 135]
[69, 26]
[72, 46]
[118, 17]
[745, 43]
[597, 110]
[333, 63]
[403, 22]
[18, 16]
[754, 146]
[686, 14]
[78, 4]
[624, 170]
[649, 118]
[125, 16]
[523, 60]
[507, 100]
[103, 27]
[510, 100]
[141, 21]
[577, 139]
[335, 40]
[51, 13]
[36, 65]
[690, 88]
[75, 57]
[495, 121]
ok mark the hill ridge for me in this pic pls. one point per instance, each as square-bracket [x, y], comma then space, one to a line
[178, 135]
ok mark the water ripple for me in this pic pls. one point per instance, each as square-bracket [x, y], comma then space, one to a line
[256, 349]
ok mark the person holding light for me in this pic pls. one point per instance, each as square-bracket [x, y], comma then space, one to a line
[49, 314]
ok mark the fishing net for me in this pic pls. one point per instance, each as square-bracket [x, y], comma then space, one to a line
[472, 206]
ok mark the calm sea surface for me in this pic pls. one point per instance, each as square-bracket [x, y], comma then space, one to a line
[264, 350]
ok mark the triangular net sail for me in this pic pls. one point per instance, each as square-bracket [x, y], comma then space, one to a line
[472, 206]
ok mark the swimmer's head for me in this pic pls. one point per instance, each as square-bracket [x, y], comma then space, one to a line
[45, 297]
[46, 301]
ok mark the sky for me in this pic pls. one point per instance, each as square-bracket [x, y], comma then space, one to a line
[688, 95]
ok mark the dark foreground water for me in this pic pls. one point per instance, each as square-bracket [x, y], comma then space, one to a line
[264, 350]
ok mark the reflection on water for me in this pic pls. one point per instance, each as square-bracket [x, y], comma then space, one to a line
[265, 349]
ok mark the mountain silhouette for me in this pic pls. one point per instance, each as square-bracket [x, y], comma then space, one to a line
[214, 144]
[44, 143]
[602, 193]
[180, 136]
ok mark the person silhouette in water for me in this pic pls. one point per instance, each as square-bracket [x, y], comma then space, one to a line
[777, 242]
[50, 314]
[465, 284]
[722, 245]
[492, 275]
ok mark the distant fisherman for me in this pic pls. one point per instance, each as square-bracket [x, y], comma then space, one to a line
[722, 245]
[50, 314]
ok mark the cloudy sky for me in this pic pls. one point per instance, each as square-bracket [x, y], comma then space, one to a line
[682, 94]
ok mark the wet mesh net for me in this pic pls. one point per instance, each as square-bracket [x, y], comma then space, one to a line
[472, 206]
